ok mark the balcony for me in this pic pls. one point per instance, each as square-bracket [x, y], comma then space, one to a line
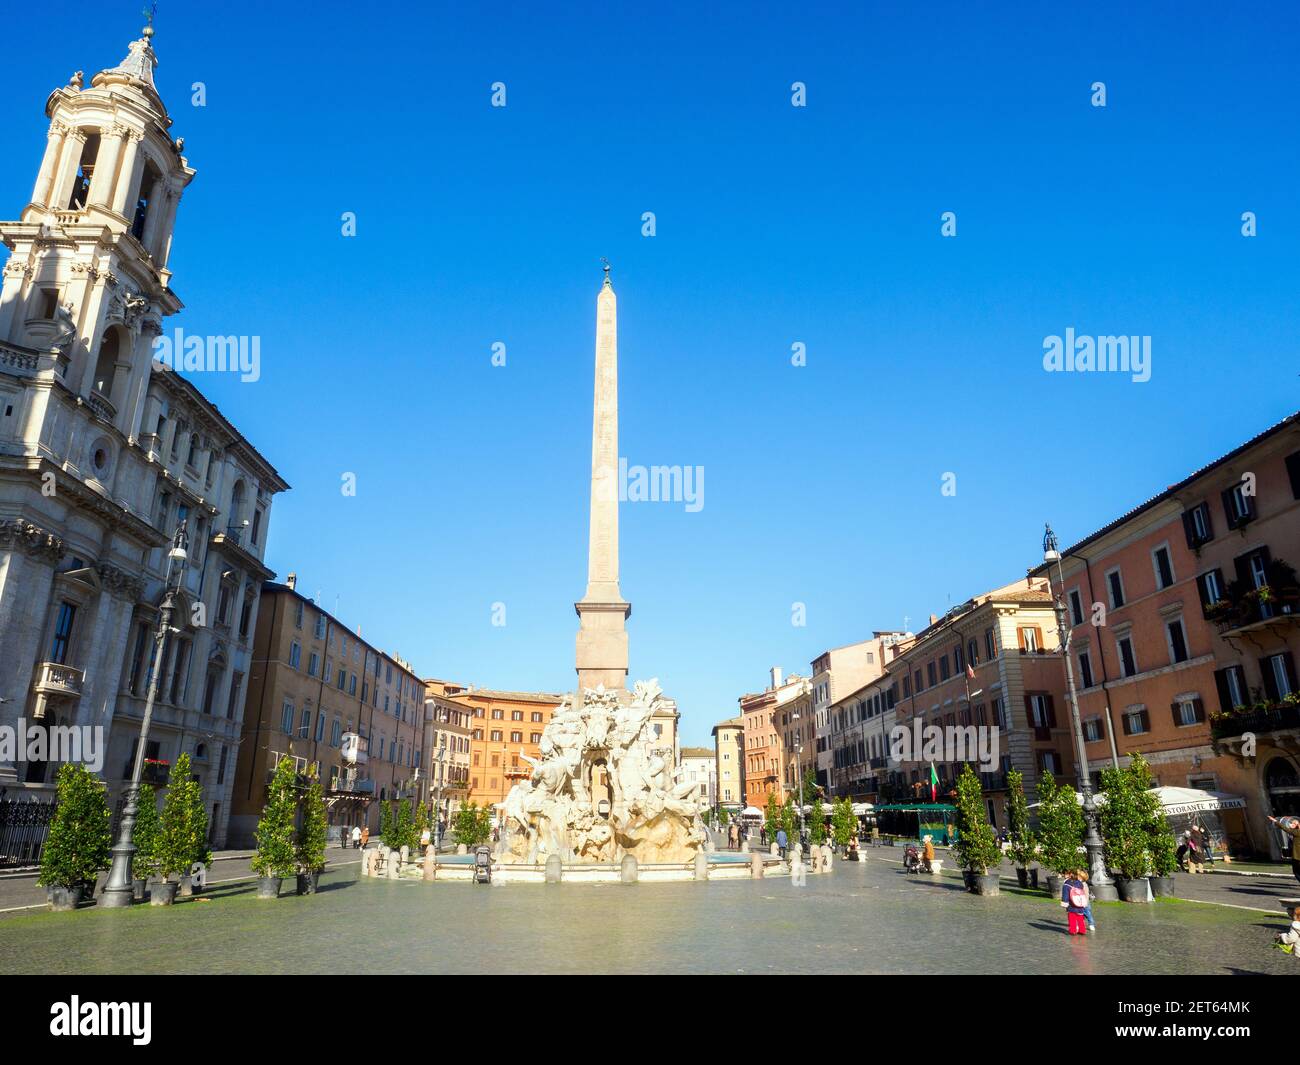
[354, 749]
[1256, 719]
[54, 678]
[1245, 609]
[101, 407]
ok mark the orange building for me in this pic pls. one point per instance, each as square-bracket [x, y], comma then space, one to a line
[505, 726]
[1184, 618]
[769, 721]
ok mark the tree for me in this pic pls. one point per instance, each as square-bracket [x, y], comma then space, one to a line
[772, 815]
[472, 825]
[1162, 848]
[844, 823]
[77, 847]
[790, 820]
[314, 830]
[403, 827]
[1060, 825]
[183, 828]
[1123, 824]
[977, 847]
[145, 835]
[1024, 848]
[817, 817]
[274, 856]
[385, 825]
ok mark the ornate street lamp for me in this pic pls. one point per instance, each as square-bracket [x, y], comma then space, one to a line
[1102, 886]
[117, 891]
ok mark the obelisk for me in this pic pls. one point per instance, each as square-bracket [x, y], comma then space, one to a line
[602, 612]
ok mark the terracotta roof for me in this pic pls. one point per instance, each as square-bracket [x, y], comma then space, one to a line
[507, 696]
[697, 752]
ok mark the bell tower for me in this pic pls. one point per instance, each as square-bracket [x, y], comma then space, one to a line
[87, 284]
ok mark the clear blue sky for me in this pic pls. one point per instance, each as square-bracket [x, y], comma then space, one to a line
[775, 225]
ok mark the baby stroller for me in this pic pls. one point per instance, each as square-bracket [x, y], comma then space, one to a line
[911, 859]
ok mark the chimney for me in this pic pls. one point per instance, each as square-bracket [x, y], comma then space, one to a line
[776, 677]
[933, 620]
[291, 581]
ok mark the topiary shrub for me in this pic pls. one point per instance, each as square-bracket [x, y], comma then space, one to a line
[183, 827]
[977, 847]
[1024, 847]
[1123, 824]
[80, 837]
[145, 835]
[1060, 826]
[313, 832]
[274, 856]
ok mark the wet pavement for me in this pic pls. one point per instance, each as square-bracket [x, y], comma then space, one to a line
[866, 917]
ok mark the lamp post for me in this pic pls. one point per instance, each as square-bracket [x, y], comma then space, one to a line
[117, 891]
[1103, 887]
[437, 799]
[798, 768]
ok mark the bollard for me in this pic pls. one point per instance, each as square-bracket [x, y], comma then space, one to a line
[394, 865]
[461, 848]
[814, 859]
[756, 866]
[744, 847]
[701, 866]
[773, 850]
[554, 869]
[430, 865]
[405, 853]
[627, 870]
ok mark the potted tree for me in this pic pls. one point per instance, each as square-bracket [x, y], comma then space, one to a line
[843, 823]
[311, 838]
[1024, 847]
[80, 837]
[184, 825]
[817, 822]
[1060, 831]
[1162, 848]
[273, 859]
[1123, 830]
[977, 847]
[144, 866]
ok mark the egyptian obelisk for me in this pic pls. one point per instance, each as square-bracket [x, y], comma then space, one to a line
[602, 612]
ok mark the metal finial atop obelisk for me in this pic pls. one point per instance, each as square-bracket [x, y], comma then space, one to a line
[602, 611]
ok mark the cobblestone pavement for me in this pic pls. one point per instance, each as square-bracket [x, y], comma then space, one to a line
[863, 917]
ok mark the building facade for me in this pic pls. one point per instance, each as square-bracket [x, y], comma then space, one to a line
[835, 673]
[729, 763]
[105, 454]
[505, 727]
[767, 721]
[335, 704]
[1185, 617]
[450, 737]
[697, 766]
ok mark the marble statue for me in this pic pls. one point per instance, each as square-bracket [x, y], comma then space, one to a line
[599, 792]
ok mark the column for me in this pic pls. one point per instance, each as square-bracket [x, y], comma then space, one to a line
[45, 178]
[110, 151]
[132, 165]
[69, 160]
[159, 206]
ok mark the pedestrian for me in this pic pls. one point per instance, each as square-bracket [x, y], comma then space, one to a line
[424, 841]
[928, 854]
[1291, 826]
[781, 842]
[1087, 912]
[853, 848]
[356, 837]
[1074, 897]
[365, 836]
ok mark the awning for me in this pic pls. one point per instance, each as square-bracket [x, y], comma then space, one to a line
[860, 808]
[751, 811]
[1196, 801]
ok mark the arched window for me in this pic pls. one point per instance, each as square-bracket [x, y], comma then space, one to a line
[110, 349]
[150, 187]
[80, 195]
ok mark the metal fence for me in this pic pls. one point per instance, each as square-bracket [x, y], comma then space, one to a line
[24, 824]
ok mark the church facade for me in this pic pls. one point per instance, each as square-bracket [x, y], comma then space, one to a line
[105, 454]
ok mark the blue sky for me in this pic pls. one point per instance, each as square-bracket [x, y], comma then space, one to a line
[775, 225]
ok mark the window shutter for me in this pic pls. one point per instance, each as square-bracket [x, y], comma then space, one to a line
[1189, 529]
[1225, 693]
[1293, 471]
[1127, 720]
[1270, 684]
[1229, 508]
[1198, 709]
[1051, 711]
[1146, 720]
[1289, 662]
[1173, 709]
[1038, 633]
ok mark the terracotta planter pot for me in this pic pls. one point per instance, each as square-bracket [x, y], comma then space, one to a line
[1132, 890]
[268, 887]
[162, 893]
[63, 898]
[138, 890]
[308, 883]
[1054, 882]
[986, 884]
[1162, 887]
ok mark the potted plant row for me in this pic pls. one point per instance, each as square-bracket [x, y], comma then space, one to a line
[283, 851]
[1140, 848]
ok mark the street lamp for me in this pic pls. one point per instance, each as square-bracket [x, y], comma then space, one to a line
[1103, 887]
[117, 891]
[798, 768]
[437, 801]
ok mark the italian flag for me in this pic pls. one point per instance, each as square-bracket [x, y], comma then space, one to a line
[934, 784]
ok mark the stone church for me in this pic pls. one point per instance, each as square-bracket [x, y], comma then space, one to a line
[105, 453]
